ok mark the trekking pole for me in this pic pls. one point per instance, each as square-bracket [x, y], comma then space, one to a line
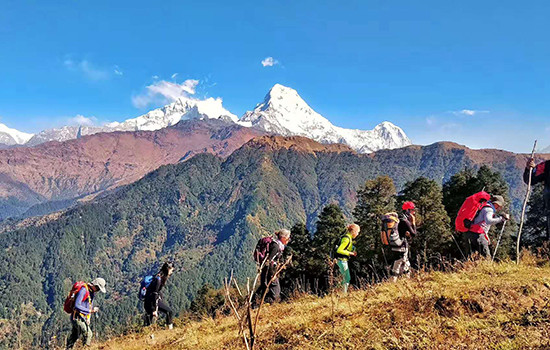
[499, 237]
[458, 245]
[525, 205]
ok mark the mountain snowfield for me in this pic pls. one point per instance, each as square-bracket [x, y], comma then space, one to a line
[10, 137]
[283, 112]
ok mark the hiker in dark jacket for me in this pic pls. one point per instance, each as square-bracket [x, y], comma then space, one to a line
[540, 174]
[399, 255]
[478, 235]
[268, 273]
[83, 310]
[344, 251]
[154, 302]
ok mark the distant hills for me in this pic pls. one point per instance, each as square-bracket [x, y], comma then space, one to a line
[54, 175]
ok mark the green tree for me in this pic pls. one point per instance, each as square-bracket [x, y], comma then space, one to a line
[375, 198]
[208, 301]
[300, 274]
[331, 226]
[301, 248]
[433, 234]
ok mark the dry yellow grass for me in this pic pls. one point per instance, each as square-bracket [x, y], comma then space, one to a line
[480, 306]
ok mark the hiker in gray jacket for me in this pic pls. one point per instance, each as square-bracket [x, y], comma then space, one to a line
[485, 218]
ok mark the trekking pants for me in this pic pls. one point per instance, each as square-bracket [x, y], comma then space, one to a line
[82, 329]
[344, 270]
[273, 290]
[399, 262]
[161, 307]
[476, 242]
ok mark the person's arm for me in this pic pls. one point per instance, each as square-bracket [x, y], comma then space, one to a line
[406, 226]
[273, 257]
[342, 247]
[490, 218]
[537, 174]
[80, 302]
[155, 290]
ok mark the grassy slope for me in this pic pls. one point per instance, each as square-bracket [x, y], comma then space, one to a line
[479, 306]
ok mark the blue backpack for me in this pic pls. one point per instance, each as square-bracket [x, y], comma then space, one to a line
[145, 283]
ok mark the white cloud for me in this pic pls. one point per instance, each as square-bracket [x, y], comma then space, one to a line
[155, 77]
[164, 92]
[468, 112]
[269, 62]
[118, 71]
[174, 75]
[79, 119]
[86, 68]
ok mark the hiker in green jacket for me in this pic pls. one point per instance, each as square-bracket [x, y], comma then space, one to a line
[344, 251]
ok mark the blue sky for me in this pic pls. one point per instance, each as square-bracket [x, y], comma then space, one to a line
[473, 72]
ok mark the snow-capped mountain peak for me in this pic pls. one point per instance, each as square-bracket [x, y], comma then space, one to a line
[9, 136]
[180, 109]
[284, 112]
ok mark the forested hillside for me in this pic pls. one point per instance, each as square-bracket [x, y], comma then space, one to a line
[205, 214]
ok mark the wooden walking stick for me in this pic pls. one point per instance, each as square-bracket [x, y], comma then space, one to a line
[525, 204]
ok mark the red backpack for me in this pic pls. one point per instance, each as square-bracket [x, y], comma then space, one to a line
[262, 249]
[68, 306]
[468, 211]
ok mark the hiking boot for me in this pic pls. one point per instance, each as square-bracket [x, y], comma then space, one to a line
[170, 326]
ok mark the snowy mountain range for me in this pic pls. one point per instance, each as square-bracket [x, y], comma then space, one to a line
[10, 137]
[282, 112]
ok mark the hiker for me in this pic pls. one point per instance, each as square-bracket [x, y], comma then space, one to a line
[399, 254]
[477, 236]
[81, 303]
[344, 251]
[154, 302]
[271, 262]
[540, 174]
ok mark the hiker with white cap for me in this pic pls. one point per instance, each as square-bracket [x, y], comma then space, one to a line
[79, 304]
[271, 258]
[478, 234]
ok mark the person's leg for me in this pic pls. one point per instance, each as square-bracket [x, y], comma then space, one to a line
[148, 316]
[86, 333]
[473, 241]
[406, 264]
[75, 334]
[483, 246]
[275, 291]
[164, 308]
[262, 288]
[398, 265]
[346, 277]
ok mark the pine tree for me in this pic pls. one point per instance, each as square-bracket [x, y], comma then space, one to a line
[375, 198]
[300, 274]
[301, 248]
[433, 235]
[331, 226]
